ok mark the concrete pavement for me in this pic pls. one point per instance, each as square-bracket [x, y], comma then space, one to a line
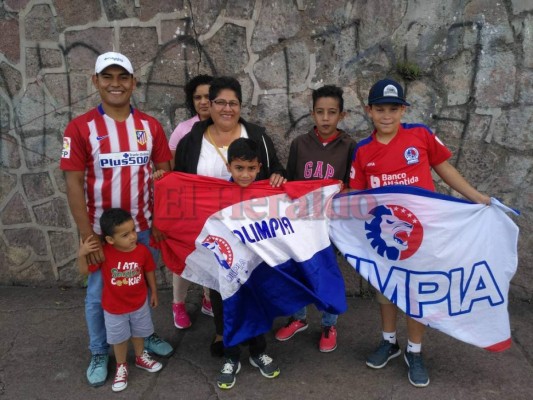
[43, 355]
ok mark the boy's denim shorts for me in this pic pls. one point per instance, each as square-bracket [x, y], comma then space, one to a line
[121, 327]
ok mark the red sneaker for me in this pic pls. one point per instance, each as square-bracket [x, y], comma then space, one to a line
[146, 362]
[181, 318]
[328, 340]
[206, 307]
[292, 328]
[121, 378]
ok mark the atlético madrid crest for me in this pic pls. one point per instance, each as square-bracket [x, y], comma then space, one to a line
[141, 137]
[394, 232]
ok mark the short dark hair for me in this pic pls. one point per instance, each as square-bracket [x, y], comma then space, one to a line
[190, 88]
[243, 149]
[225, 82]
[329, 91]
[111, 218]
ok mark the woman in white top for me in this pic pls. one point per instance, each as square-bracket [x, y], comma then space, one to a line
[204, 150]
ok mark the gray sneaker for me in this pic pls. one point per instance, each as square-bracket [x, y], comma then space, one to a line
[266, 365]
[97, 371]
[386, 351]
[226, 379]
[418, 374]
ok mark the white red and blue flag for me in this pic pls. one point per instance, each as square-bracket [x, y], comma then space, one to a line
[266, 250]
[445, 262]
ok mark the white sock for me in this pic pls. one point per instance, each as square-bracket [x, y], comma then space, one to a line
[390, 337]
[414, 347]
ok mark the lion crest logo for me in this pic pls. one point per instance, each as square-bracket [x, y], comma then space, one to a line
[220, 249]
[394, 232]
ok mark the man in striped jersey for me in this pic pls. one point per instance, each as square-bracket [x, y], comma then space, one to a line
[108, 155]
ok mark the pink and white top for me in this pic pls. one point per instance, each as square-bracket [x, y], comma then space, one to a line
[181, 130]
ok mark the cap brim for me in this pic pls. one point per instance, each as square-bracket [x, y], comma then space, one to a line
[114, 65]
[388, 100]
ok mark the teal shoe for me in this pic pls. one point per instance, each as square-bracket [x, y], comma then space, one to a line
[155, 345]
[383, 354]
[97, 371]
[418, 374]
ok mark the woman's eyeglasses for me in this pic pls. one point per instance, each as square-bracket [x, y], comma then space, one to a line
[223, 103]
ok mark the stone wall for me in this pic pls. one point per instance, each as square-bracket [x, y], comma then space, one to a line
[467, 66]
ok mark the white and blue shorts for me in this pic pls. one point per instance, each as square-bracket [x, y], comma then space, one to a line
[121, 327]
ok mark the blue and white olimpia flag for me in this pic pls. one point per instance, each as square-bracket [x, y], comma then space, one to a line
[266, 250]
[444, 261]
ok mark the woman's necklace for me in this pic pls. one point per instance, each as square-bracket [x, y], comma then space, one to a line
[224, 137]
[215, 145]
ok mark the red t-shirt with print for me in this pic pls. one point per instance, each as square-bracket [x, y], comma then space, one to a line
[125, 288]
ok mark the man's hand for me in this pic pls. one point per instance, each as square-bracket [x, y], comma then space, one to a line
[157, 234]
[78, 207]
[159, 174]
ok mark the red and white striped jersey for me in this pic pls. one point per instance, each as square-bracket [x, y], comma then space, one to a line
[117, 159]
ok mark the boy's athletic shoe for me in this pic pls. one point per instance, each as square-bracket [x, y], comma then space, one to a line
[385, 352]
[266, 365]
[97, 371]
[154, 344]
[292, 328]
[121, 378]
[181, 318]
[207, 309]
[146, 362]
[418, 374]
[226, 379]
[328, 339]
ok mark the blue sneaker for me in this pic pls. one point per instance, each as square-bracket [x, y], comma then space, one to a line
[266, 365]
[418, 374]
[226, 379]
[97, 371]
[386, 351]
[154, 344]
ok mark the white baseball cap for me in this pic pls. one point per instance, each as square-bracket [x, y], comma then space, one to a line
[111, 58]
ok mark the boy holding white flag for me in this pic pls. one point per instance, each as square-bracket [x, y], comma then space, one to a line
[402, 154]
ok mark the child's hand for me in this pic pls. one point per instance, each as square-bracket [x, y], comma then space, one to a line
[484, 199]
[276, 180]
[154, 301]
[90, 245]
[159, 174]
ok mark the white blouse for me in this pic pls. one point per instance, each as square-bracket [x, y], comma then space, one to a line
[210, 162]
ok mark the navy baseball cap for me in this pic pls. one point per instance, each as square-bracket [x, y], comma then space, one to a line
[386, 91]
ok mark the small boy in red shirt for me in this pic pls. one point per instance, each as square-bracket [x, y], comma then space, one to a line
[127, 270]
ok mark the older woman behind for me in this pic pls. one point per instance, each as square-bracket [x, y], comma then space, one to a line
[197, 99]
[204, 152]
